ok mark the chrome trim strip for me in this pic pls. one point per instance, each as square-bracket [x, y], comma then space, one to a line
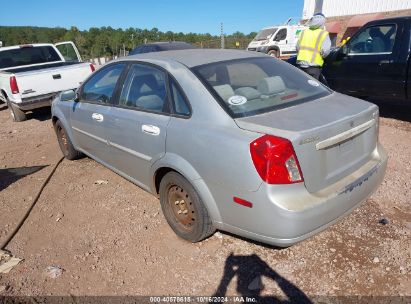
[90, 135]
[364, 54]
[129, 151]
[345, 135]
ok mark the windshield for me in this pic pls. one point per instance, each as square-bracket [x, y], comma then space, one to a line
[27, 56]
[246, 87]
[263, 34]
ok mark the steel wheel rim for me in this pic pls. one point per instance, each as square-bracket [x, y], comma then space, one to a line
[182, 207]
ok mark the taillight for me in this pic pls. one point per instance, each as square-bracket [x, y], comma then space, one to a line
[92, 67]
[13, 85]
[275, 160]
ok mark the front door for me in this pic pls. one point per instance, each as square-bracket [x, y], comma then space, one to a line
[138, 123]
[281, 41]
[90, 115]
[366, 65]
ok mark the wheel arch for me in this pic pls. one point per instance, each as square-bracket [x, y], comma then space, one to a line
[174, 163]
[4, 93]
[57, 115]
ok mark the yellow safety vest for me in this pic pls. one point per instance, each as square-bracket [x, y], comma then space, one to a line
[310, 46]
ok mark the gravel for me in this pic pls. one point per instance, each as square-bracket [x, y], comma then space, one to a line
[114, 240]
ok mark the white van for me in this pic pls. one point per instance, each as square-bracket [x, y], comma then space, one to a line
[277, 41]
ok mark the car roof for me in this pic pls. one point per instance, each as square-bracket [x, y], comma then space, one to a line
[196, 57]
[13, 47]
[167, 45]
[167, 42]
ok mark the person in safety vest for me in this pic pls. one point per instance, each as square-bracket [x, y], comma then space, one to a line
[313, 46]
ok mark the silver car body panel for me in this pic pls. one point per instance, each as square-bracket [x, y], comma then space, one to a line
[211, 150]
[309, 124]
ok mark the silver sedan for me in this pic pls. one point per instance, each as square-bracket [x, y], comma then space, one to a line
[228, 140]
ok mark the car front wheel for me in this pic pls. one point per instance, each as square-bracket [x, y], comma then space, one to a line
[65, 143]
[274, 53]
[183, 208]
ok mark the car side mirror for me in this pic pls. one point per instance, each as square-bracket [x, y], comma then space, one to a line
[68, 95]
[342, 52]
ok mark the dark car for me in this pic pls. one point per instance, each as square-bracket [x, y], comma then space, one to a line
[375, 62]
[161, 46]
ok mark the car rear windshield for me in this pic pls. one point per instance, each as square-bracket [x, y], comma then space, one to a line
[27, 56]
[252, 86]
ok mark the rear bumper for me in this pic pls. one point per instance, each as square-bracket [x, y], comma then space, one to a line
[286, 214]
[36, 102]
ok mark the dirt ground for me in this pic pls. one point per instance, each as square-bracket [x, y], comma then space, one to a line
[112, 239]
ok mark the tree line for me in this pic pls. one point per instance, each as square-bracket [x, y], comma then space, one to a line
[107, 41]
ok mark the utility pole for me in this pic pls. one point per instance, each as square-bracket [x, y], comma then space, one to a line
[222, 36]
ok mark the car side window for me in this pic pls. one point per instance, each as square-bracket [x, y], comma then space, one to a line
[100, 87]
[281, 35]
[180, 104]
[373, 40]
[144, 88]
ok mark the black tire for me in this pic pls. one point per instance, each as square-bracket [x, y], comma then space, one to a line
[274, 53]
[16, 114]
[65, 143]
[177, 196]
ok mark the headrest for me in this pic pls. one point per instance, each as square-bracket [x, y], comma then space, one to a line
[271, 85]
[150, 102]
[225, 91]
[248, 92]
[145, 83]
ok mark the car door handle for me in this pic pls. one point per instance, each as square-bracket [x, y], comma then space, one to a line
[98, 117]
[384, 62]
[150, 129]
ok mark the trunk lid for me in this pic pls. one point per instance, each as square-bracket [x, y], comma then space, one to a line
[332, 136]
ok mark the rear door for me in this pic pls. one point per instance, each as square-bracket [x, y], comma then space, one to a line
[69, 51]
[369, 64]
[138, 122]
[90, 115]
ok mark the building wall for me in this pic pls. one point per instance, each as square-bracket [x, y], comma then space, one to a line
[335, 8]
[348, 32]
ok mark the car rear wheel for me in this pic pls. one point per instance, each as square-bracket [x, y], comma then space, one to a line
[183, 208]
[16, 114]
[65, 143]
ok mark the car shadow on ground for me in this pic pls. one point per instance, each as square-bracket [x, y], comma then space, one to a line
[11, 175]
[41, 114]
[249, 270]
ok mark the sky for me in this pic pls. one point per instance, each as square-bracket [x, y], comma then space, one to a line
[185, 16]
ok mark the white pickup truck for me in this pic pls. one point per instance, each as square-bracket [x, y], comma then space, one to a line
[32, 75]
